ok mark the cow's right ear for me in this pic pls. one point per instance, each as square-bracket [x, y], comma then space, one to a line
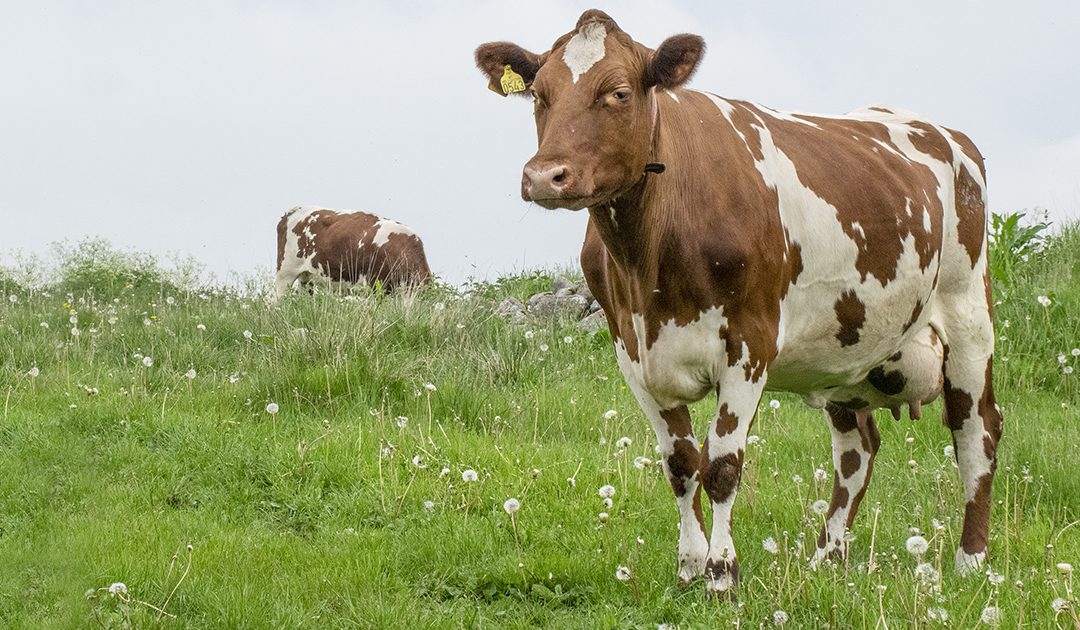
[509, 67]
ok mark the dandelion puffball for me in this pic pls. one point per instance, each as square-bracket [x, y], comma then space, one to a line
[272, 408]
[511, 506]
[622, 573]
[468, 476]
[917, 545]
[606, 491]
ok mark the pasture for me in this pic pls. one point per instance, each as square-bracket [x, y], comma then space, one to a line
[346, 462]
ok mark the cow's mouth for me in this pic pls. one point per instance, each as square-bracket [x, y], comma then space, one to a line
[565, 203]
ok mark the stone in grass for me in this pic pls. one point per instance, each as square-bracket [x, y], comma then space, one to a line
[582, 289]
[595, 322]
[547, 305]
[512, 310]
[561, 283]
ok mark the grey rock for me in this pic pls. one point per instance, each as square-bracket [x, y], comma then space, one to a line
[595, 322]
[564, 292]
[594, 307]
[582, 289]
[511, 309]
[560, 283]
[548, 305]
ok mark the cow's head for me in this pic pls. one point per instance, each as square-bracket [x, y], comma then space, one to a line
[595, 107]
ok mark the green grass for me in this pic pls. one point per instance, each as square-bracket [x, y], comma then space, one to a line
[316, 517]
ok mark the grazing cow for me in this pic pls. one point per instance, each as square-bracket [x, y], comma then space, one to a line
[736, 248]
[342, 248]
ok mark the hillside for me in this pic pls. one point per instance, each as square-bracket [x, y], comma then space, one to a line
[344, 462]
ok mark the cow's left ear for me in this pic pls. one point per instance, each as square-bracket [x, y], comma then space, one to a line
[675, 61]
[509, 67]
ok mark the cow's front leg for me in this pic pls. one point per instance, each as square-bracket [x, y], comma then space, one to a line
[681, 461]
[721, 466]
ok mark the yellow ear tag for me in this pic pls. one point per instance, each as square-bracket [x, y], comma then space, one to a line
[511, 81]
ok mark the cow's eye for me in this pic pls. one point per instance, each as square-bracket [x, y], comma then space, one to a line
[621, 95]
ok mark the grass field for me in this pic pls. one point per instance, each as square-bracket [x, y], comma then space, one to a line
[143, 450]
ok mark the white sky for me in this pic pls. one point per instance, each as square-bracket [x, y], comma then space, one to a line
[190, 127]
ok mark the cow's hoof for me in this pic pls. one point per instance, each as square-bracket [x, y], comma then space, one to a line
[720, 579]
[969, 563]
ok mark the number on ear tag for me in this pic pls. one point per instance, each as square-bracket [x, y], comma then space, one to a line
[511, 81]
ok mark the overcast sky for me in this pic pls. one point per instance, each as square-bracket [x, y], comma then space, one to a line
[191, 126]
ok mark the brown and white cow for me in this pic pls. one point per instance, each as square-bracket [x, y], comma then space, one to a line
[736, 248]
[340, 248]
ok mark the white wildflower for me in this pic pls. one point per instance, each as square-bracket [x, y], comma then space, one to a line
[247, 334]
[797, 479]
[402, 422]
[147, 321]
[769, 545]
[444, 472]
[640, 462]
[909, 440]
[774, 404]
[429, 506]
[1062, 359]
[33, 372]
[623, 442]
[603, 516]
[608, 503]
[14, 299]
[780, 617]
[439, 306]
[233, 378]
[926, 573]
[606, 491]
[44, 324]
[1064, 568]
[148, 361]
[468, 475]
[622, 573]
[200, 327]
[418, 462]
[611, 414]
[570, 481]
[511, 506]
[75, 332]
[917, 545]
[991, 616]
[1068, 369]
[430, 387]
[190, 374]
[118, 588]
[753, 439]
[949, 451]
[568, 339]
[820, 476]
[544, 347]
[1059, 605]
[820, 507]
[995, 578]
[272, 408]
[1042, 299]
[1075, 352]
[938, 614]
[74, 319]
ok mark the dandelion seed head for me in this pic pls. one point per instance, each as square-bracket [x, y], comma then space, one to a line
[603, 516]
[570, 481]
[402, 422]
[200, 327]
[640, 462]
[33, 372]
[991, 616]
[780, 617]
[820, 507]
[468, 475]
[444, 472]
[190, 374]
[622, 573]
[1064, 568]
[774, 404]
[529, 334]
[1059, 605]
[770, 546]
[118, 588]
[430, 387]
[995, 578]
[44, 324]
[568, 339]
[1043, 300]
[1075, 352]
[75, 332]
[608, 502]
[623, 442]
[949, 451]
[820, 476]
[148, 361]
[248, 334]
[544, 347]
[753, 439]
[272, 408]
[429, 506]
[606, 491]
[511, 506]
[611, 414]
[917, 545]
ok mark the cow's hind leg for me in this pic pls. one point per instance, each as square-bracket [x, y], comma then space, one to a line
[721, 465]
[855, 442]
[974, 418]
